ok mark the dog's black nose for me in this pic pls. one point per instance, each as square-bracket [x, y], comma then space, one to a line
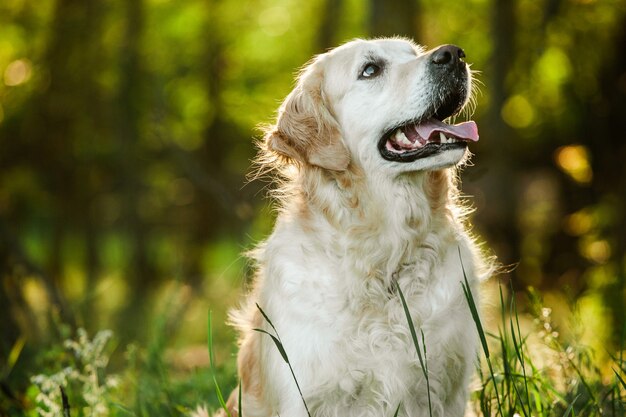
[450, 55]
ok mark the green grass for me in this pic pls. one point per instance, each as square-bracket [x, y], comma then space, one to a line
[279, 345]
[572, 387]
[218, 391]
[423, 359]
[515, 383]
[522, 371]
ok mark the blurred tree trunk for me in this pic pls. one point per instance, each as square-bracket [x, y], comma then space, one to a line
[498, 185]
[503, 57]
[73, 121]
[52, 130]
[395, 17]
[48, 137]
[93, 130]
[140, 276]
[329, 24]
[604, 127]
[212, 198]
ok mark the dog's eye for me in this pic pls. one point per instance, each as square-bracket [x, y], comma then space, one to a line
[370, 71]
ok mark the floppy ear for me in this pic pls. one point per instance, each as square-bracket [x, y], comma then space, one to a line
[305, 131]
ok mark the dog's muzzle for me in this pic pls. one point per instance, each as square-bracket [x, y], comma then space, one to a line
[428, 135]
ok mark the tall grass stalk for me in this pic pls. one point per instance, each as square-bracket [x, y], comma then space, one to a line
[570, 407]
[279, 345]
[422, 360]
[556, 345]
[239, 407]
[218, 391]
[620, 379]
[65, 402]
[516, 335]
[472, 305]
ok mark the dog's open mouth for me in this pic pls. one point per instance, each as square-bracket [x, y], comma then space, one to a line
[419, 140]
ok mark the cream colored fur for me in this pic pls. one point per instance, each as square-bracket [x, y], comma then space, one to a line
[350, 226]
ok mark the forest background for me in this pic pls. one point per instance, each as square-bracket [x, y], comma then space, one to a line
[127, 129]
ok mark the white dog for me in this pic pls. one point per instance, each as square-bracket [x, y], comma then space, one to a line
[368, 203]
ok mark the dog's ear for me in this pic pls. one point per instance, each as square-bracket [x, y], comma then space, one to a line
[305, 131]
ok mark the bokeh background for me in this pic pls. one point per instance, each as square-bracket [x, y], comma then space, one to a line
[127, 129]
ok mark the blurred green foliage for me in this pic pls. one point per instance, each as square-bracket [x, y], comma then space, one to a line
[126, 132]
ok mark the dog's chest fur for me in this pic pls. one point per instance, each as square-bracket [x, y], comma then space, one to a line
[333, 297]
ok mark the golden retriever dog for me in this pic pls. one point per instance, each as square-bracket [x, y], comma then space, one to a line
[368, 212]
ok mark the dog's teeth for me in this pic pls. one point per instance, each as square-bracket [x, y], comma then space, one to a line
[401, 138]
[443, 138]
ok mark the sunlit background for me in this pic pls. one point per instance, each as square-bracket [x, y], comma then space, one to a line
[127, 129]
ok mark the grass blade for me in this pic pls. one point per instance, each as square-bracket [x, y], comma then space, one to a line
[277, 342]
[424, 346]
[592, 396]
[239, 407]
[570, 407]
[481, 333]
[472, 305]
[218, 391]
[397, 410]
[267, 319]
[621, 380]
[65, 402]
[123, 409]
[14, 355]
[283, 353]
[407, 313]
[518, 347]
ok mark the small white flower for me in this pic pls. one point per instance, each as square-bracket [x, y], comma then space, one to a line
[91, 361]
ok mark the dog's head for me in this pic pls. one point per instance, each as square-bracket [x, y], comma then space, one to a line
[377, 104]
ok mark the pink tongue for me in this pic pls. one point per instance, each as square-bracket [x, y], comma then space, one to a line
[464, 131]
